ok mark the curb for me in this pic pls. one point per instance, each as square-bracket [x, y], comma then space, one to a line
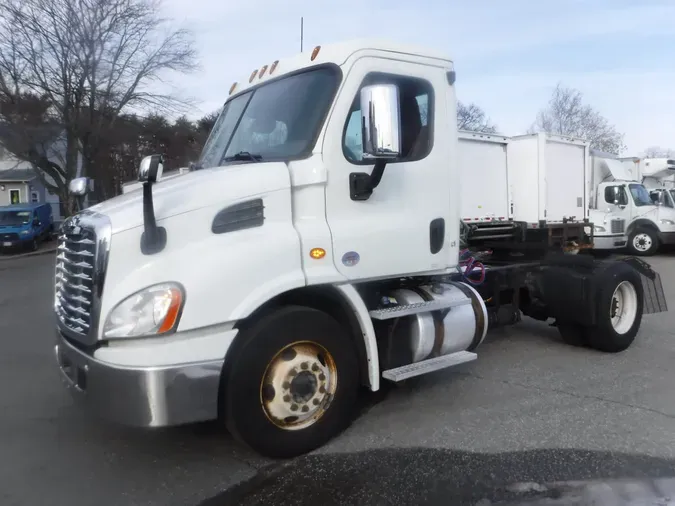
[30, 254]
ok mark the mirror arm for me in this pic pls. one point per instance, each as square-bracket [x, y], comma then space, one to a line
[153, 239]
[362, 184]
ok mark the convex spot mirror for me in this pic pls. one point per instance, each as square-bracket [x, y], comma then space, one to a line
[151, 169]
[79, 186]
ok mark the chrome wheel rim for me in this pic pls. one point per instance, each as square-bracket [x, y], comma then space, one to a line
[624, 307]
[298, 385]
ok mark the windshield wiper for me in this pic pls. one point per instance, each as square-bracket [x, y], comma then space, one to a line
[243, 156]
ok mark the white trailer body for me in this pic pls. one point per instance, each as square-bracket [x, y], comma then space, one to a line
[485, 192]
[548, 180]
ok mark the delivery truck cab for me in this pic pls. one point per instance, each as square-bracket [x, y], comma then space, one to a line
[24, 226]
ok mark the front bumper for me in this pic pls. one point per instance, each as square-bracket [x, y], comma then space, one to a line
[141, 396]
[609, 241]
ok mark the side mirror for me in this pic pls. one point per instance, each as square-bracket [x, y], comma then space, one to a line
[151, 169]
[380, 121]
[79, 186]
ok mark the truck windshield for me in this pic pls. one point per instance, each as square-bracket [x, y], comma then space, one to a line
[13, 218]
[640, 195]
[276, 121]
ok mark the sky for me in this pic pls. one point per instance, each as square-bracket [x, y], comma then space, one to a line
[509, 55]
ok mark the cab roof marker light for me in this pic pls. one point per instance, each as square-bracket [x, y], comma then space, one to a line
[253, 74]
[262, 71]
[315, 53]
[274, 66]
[234, 85]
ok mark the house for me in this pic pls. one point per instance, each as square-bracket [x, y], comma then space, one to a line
[19, 184]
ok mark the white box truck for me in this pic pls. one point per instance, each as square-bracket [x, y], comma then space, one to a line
[528, 188]
[291, 269]
[622, 207]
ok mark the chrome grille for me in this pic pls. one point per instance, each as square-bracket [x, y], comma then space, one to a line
[618, 226]
[75, 278]
[81, 261]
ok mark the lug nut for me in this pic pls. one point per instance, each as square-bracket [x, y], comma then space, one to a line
[294, 407]
[286, 385]
[315, 367]
[305, 409]
[316, 402]
[287, 398]
[304, 366]
[322, 390]
[322, 377]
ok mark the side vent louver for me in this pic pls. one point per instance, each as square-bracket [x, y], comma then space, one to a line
[241, 216]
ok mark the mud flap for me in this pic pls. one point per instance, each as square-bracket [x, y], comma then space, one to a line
[654, 298]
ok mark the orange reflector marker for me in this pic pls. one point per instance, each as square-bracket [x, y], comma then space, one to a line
[317, 253]
[234, 85]
[262, 71]
[174, 309]
[274, 66]
[315, 53]
[250, 79]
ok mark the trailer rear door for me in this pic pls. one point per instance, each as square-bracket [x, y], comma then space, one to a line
[565, 180]
[484, 179]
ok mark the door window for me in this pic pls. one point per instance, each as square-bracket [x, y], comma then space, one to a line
[616, 193]
[416, 106]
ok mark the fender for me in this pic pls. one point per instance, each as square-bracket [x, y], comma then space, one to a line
[641, 222]
[357, 305]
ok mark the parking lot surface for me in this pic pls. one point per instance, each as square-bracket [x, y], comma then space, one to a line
[530, 409]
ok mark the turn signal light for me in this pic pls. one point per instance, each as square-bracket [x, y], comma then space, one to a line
[317, 253]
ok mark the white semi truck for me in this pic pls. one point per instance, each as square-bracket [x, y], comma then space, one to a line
[620, 200]
[315, 251]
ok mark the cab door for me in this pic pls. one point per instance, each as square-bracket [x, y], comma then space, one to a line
[409, 224]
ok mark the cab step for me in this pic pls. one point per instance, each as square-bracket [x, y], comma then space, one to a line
[430, 365]
[419, 307]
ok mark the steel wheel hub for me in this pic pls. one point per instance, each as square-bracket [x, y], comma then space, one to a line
[642, 242]
[623, 309]
[298, 385]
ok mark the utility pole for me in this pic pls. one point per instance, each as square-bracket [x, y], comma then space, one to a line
[302, 32]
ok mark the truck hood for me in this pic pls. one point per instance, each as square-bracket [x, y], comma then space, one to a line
[194, 191]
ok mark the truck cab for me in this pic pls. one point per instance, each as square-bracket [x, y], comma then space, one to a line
[24, 226]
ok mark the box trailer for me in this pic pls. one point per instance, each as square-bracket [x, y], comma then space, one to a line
[548, 181]
[485, 195]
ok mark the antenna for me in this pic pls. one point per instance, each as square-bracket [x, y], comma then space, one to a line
[302, 32]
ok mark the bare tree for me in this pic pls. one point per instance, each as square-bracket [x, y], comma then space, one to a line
[86, 62]
[658, 152]
[471, 117]
[566, 114]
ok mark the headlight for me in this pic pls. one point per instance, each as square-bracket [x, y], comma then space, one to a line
[667, 222]
[152, 311]
[599, 229]
[24, 232]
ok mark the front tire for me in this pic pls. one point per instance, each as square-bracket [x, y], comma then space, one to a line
[643, 242]
[292, 384]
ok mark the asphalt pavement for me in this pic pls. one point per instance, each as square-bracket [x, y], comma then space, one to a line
[529, 412]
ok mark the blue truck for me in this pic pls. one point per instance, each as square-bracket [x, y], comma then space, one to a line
[24, 226]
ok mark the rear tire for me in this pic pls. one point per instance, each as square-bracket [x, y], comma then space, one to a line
[292, 382]
[619, 306]
[643, 242]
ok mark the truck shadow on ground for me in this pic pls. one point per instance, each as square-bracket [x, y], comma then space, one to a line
[434, 476]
